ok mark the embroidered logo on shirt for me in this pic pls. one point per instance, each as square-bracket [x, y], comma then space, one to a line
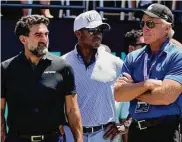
[158, 67]
[49, 72]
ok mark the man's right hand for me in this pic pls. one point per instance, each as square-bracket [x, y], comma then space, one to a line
[152, 83]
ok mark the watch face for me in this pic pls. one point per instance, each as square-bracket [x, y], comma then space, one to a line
[127, 123]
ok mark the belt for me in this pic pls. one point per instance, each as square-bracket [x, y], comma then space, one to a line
[95, 128]
[144, 124]
[37, 137]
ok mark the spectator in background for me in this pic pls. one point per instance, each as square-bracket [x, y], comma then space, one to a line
[45, 12]
[134, 40]
[95, 72]
[143, 4]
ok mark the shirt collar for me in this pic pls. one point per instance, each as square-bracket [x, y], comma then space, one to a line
[79, 55]
[46, 56]
[164, 47]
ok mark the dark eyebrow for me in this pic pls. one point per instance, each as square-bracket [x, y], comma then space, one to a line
[38, 33]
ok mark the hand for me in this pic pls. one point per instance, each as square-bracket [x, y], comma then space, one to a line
[152, 83]
[61, 129]
[114, 129]
[127, 78]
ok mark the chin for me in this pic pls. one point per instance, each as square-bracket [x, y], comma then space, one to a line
[148, 40]
[96, 45]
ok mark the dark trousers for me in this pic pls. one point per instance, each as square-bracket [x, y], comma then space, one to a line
[163, 132]
[14, 137]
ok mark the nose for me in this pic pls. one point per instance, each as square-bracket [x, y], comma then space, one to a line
[44, 38]
[98, 35]
[145, 27]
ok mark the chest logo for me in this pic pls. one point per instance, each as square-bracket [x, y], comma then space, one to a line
[49, 72]
[159, 67]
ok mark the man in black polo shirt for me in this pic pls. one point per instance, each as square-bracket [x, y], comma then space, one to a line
[36, 84]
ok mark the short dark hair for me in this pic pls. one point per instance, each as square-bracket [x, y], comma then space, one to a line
[26, 22]
[131, 37]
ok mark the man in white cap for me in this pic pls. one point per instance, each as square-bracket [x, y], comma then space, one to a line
[95, 72]
[152, 81]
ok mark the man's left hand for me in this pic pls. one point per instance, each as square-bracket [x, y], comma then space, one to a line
[114, 129]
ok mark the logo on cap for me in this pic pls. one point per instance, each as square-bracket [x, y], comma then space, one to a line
[93, 17]
[150, 7]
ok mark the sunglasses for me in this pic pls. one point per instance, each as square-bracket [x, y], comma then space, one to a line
[149, 24]
[94, 31]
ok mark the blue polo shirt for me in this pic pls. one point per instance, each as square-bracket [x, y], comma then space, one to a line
[168, 65]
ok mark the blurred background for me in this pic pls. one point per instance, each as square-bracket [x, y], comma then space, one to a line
[119, 14]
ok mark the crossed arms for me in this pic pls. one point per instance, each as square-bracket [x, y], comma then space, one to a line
[151, 91]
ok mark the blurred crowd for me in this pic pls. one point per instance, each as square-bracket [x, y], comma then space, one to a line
[89, 5]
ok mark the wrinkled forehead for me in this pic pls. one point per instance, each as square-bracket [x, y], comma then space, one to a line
[38, 28]
[147, 18]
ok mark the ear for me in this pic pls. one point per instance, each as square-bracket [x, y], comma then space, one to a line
[78, 34]
[22, 39]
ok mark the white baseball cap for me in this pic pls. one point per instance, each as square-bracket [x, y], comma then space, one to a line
[89, 19]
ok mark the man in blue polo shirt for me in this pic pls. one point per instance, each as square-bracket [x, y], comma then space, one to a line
[152, 80]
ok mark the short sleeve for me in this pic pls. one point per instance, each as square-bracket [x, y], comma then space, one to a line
[119, 65]
[175, 68]
[127, 64]
[69, 81]
[124, 110]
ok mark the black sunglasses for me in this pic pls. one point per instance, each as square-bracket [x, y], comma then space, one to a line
[149, 24]
[93, 31]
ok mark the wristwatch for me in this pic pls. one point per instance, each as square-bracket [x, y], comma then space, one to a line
[127, 123]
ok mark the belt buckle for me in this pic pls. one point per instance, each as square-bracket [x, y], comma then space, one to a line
[140, 125]
[37, 138]
[92, 129]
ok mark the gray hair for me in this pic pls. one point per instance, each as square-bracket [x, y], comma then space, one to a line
[171, 31]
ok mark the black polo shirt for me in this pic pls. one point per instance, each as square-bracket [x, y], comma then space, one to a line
[36, 94]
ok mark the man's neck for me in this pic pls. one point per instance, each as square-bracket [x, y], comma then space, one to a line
[87, 52]
[156, 46]
[34, 59]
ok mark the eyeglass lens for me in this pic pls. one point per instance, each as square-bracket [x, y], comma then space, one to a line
[149, 24]
[93, 31]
